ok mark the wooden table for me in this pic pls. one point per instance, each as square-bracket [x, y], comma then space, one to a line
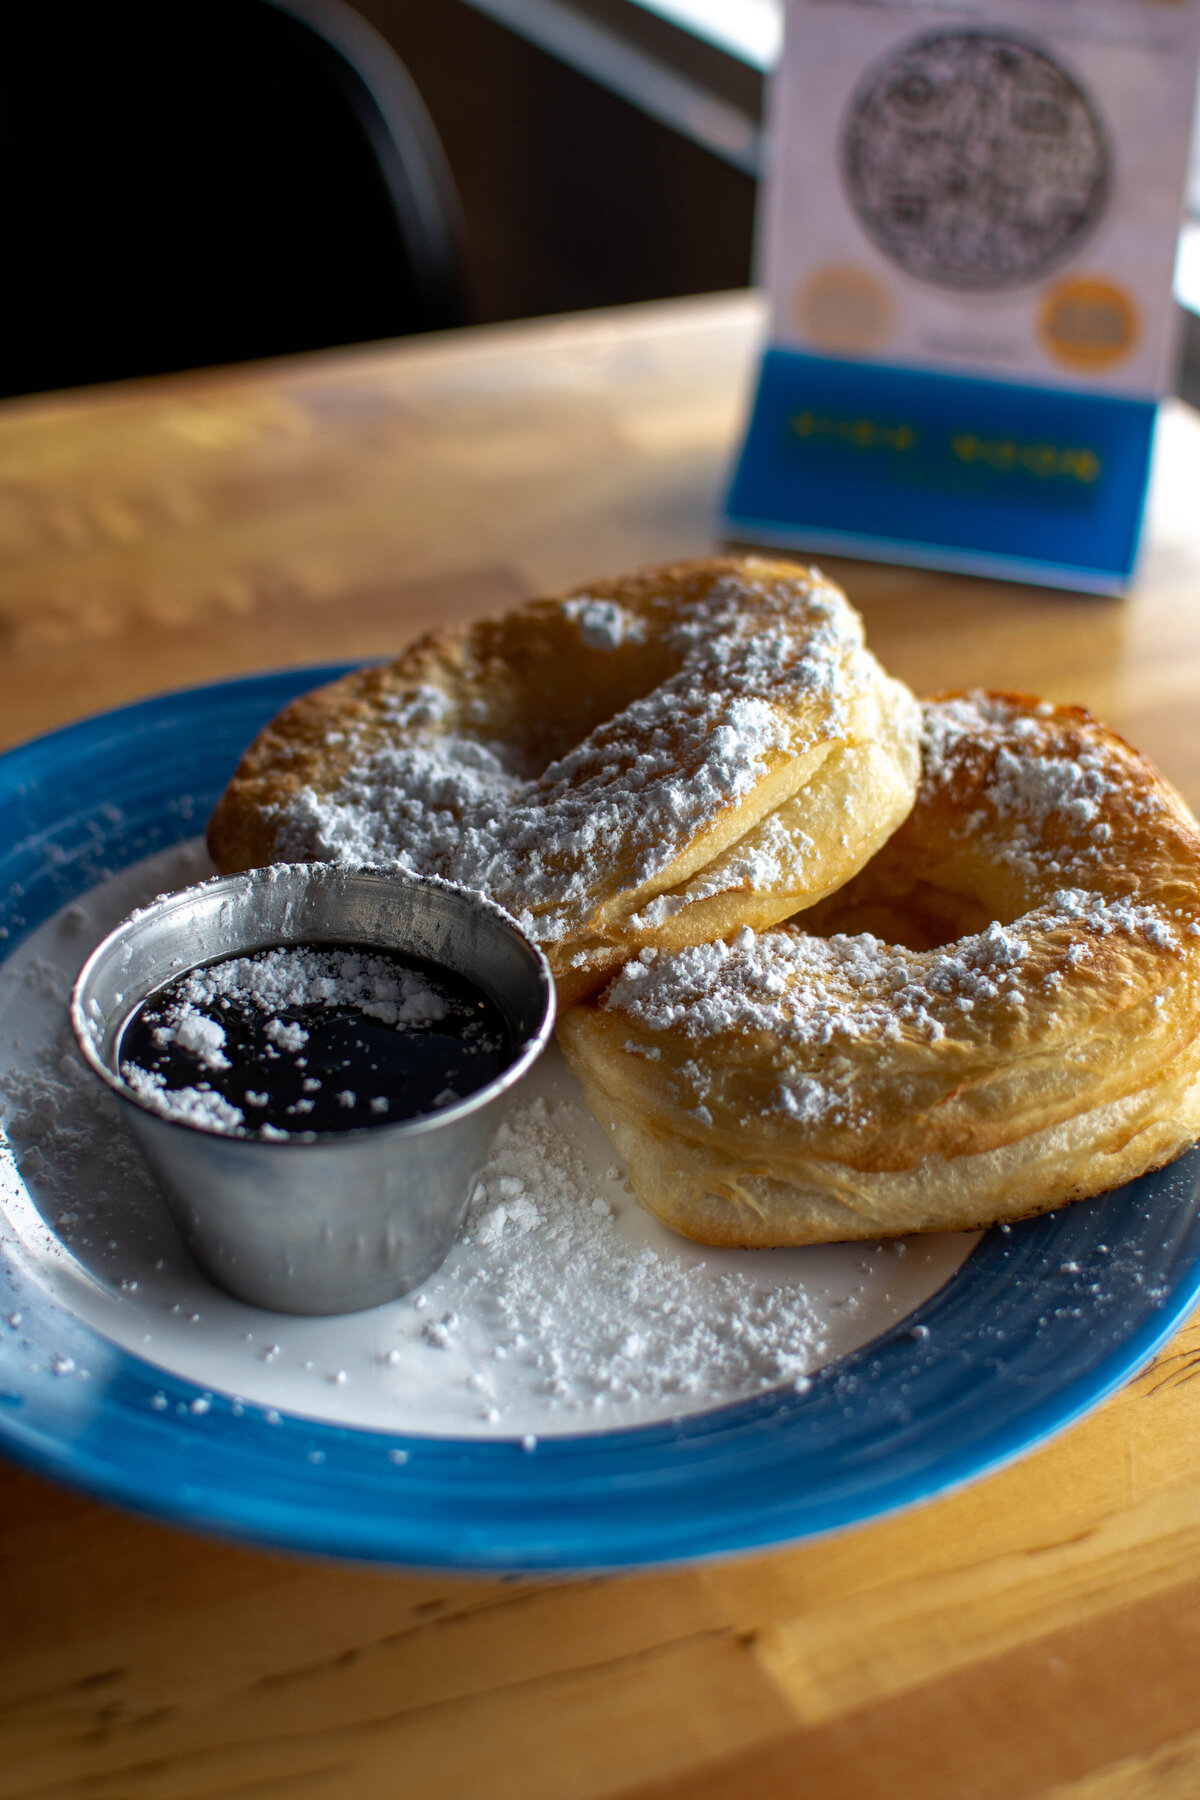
[1035, 1635]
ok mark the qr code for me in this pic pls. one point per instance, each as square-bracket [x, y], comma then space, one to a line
[974, 160]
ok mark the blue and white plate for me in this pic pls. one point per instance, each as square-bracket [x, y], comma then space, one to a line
[1036, 1325]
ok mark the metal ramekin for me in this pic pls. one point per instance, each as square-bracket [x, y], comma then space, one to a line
[346, 1220]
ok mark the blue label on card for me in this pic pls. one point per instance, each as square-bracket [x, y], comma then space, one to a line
[1041, 484]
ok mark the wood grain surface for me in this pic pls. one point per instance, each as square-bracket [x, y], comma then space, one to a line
[1036, 1635]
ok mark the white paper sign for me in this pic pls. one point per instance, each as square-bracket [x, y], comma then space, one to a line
[985, 187]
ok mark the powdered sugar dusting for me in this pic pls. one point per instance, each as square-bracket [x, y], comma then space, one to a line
[1038, 772]
[642, 1326]
[603, 624]
[187, 1105]
[191, 1030]
[811, 991]
[619, 807]
[809, 995]
[268, 983]
[772, 853]
[305, 975]
[1031, 788]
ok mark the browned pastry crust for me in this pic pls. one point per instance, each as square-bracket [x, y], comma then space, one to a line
[999, 1014]
[651, 761]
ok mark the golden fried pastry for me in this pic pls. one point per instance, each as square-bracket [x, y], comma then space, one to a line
[654, 761]
[1000, 1013]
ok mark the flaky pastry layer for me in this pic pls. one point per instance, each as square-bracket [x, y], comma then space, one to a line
[999, 1014]
[655, 761]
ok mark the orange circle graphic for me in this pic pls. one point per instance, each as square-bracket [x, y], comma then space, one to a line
[843, 308]
[1086, 323]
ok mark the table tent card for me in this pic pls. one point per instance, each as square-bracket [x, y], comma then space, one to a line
[969, 231]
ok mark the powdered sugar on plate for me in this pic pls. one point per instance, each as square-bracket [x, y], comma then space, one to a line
[645, 1325]
[562, 1308]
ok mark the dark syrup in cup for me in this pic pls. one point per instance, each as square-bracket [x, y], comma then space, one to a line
[304, 1040]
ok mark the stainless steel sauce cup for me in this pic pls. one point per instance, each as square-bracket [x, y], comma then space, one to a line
[346, 1220]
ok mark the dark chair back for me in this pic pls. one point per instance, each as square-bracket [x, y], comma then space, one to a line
[195, 182]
